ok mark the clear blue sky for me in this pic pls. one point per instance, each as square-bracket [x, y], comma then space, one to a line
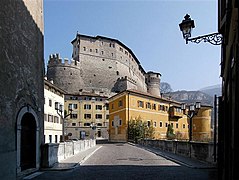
[149, 28]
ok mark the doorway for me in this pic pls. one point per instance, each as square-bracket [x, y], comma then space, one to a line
[28, 142]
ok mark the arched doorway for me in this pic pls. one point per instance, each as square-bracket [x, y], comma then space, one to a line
[28, 146]
[28, 142]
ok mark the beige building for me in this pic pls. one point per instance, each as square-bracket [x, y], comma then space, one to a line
[89, 118]
[52, 120]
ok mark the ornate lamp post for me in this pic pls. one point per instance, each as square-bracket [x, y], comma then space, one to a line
[192, 111]
[60, 111]
[186, 27]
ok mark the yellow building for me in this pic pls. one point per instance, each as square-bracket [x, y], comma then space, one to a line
[89, 118]
[157, 112]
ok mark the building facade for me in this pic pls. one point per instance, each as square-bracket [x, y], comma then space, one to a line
[89, 118]
[101, 64]
[52, 120]
[228, 123]
[21, 77]
[157, 112]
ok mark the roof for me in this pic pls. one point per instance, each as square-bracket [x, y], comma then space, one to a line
[86, 94]
[111, 39]
[147, 95]
[54, 86]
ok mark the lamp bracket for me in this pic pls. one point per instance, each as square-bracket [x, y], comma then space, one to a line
[214, 39]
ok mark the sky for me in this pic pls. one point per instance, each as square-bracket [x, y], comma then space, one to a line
[150, 28]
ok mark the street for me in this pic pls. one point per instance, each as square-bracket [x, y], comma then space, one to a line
[124, 161]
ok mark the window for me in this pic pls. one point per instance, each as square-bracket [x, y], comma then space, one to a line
[56, 119]
[160, 124]
[166, 124]
[55, 138]
[172, 124]
[112, 54]
[107, 116]
[50, 138]
[140, 104]
[84, 48]
[73, 116]
[120, 103]
[86, 124]
[154, 107]
[98, 116]
[87, 106]
[176, 125]
[117, 73]
[75, 106]
[50, 102]
[90, 50]
[87, 116]
[50, 118]
[98, 107]
[112, 123]
[120, 122]
[184, 126]
[45, 117]
[148, 123]
[102, 52]
[107, 106]
[112, 106]
[148, 105]
[73, 124]
[155, 124]
[99, 124]
[96, 50]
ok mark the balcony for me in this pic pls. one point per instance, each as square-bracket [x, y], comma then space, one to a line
[175, 112]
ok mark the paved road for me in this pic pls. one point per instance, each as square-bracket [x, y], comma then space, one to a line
[124, 161]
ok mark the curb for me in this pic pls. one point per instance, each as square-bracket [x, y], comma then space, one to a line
[74, 165]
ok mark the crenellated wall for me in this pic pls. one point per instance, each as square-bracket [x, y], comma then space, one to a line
[97, 64]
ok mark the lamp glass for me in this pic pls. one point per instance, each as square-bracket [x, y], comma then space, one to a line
[183, 106]
[198, 105]
[191, 108]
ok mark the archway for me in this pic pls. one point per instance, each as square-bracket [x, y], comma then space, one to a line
[28, 146]
[28, 142]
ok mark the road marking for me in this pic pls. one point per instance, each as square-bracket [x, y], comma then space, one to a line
[33, 175]
[87, 157]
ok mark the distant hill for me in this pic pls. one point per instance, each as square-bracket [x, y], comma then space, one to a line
[190, 97]
[212, 90]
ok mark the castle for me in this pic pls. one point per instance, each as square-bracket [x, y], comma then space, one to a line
[103, 66]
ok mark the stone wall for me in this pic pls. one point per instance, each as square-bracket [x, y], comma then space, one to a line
[100, 62]
[199, 150]
[21, 77]
[53, 153]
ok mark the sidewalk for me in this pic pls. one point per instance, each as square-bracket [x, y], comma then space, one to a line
[74, 161]
[182, 160]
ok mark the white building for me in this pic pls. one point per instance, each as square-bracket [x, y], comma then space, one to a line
[52, 120]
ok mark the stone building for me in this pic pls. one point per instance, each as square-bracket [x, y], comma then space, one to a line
[21, 87]
[228, 124]
[101, 65]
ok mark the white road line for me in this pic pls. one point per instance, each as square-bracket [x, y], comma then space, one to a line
[33, 175]
[87, 157]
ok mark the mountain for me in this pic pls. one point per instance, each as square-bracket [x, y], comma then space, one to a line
[212, 90]
[190, 97]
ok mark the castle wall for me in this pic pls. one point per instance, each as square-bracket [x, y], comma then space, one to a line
[100, 62]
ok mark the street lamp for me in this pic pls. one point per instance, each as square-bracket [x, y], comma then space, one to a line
[192, 111]
[59, 109]
[186, 27]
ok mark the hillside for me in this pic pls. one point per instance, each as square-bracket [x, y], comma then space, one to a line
[191, 97]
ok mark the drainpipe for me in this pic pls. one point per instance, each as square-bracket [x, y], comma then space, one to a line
[128, 117]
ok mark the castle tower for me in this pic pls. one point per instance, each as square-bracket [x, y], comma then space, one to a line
[152, 80]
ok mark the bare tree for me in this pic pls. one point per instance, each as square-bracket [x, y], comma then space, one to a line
[165, 87]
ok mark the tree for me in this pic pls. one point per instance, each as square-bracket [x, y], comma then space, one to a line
[139, 129]
[170, 134]
[165, 87]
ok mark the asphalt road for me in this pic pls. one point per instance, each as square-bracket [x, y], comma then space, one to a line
[124, 161]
